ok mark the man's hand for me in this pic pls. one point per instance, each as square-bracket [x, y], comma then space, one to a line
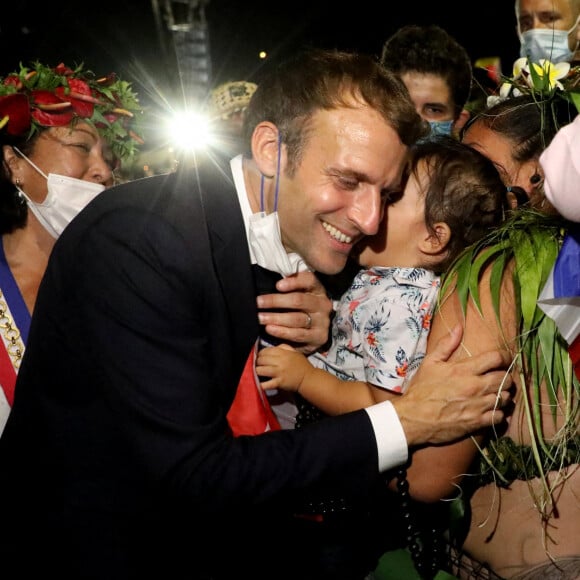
[447, 400]
[307, 320]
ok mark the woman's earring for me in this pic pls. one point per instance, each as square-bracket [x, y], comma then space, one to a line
[18, 182]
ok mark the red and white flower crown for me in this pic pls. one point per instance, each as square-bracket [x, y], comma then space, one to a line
[39, 96]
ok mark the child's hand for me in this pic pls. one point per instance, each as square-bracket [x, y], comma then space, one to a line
[285, 365]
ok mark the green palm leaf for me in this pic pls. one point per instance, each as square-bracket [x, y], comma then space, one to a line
[531, 241]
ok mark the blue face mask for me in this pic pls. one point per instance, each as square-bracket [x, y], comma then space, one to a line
[552, 45]
[438, 129]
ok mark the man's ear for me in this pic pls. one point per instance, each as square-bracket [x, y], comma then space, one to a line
[436, 243]
[460, 122]
[265, 142]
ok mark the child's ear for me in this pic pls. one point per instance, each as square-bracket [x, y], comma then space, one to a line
[436, 242]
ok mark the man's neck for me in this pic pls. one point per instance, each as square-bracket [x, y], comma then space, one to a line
[252, 179]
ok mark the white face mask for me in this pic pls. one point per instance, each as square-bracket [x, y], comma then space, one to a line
[267, 248]
[538, 43]
[265, 238]
[66, 197]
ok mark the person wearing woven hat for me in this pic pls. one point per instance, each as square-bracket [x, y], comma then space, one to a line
[227, 104]
[229, 101]
[63, 132]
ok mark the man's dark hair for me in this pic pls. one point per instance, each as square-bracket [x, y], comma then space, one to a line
[430, 49]
[317, 80]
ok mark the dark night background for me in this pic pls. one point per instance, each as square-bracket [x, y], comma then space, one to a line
[124, 35]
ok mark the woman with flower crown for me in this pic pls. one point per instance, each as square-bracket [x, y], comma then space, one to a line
[63, 132]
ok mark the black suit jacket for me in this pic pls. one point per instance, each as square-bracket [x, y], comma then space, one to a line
[117, 460]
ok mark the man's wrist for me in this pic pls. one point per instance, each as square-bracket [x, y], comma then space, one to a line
[392, 444]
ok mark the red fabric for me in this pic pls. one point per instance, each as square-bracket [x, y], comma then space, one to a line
[574, 352]
[250, 413]
[7, 375]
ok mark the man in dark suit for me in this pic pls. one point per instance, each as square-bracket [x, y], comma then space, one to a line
[117, 460]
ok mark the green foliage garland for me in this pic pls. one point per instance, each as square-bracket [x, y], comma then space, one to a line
[531, 240]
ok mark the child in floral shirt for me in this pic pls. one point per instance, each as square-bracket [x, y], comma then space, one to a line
[452, 195]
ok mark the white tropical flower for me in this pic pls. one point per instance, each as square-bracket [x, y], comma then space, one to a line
[552, 73]
[494, 100]
[541, 78]
[505, 90]
[520, 67]
[520, 72]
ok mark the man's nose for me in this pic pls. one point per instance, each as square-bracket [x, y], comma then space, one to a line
[366, 211]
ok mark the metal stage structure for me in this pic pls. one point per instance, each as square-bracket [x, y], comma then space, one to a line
[183, 28]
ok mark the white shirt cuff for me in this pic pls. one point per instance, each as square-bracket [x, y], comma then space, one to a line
[391, 440]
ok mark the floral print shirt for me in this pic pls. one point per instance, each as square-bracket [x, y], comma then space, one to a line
[380, 330]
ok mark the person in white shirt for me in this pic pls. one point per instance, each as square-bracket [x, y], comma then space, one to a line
[118, 458]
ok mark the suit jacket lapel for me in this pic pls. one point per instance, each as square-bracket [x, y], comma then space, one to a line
[231, 256]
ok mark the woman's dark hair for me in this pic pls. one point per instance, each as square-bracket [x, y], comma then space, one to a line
[528, 121]
[13, 208]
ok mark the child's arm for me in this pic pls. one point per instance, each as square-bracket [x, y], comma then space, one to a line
[291, 371]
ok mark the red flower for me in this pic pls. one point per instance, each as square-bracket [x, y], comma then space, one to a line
[111, 117]
[401, 370]
[13, 80]
[17, 109]
[108, 80]
[49, 110]
[81, 108]
[62, 69]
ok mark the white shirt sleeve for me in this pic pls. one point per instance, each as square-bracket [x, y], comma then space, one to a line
[391, 440]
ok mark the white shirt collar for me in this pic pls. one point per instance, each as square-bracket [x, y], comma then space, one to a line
[270, 253]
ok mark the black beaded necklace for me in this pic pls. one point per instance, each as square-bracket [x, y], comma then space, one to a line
[425, 540]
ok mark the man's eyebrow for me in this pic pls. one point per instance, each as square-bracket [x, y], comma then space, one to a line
[349, 173]
[549, 14]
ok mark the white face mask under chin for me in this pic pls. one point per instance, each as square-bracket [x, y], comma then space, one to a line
[265, 237]
[267, 248]
[66, 197]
